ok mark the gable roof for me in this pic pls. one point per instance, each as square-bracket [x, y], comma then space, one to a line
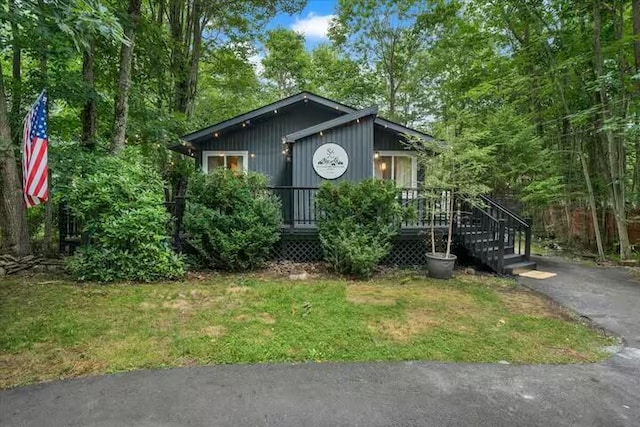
[330, 124]
[302, 96]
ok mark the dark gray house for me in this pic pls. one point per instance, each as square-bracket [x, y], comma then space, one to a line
[305, 139]
[280, 140]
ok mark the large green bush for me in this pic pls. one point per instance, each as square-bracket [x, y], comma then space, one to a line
[119, 200]
[356, 223]
[231, 220]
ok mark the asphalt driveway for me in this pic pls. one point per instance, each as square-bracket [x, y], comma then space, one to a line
[372, 394]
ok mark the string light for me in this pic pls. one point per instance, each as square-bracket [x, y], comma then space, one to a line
[275, 111]
[215, 134]
[320, 133]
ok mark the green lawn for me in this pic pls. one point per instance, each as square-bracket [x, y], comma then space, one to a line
[56, 329]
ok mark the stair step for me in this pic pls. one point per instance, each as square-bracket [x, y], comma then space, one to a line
[507, 249]
[520, 267]
[513, 258]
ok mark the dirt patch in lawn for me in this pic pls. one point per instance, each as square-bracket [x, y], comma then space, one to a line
[267, 318]
[416, 322]
[526, 303]
[370, 294]
[238, 289]
[45, 363]
[214, 331]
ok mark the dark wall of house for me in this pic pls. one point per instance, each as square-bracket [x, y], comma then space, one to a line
[387, 140]
[357, 141]
[264, 139]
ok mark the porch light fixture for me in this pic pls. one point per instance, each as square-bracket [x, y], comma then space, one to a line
[284, 152]
[244, 125]
[376, 155]
[221, 154]
[215, 134]
[275, 111]
[357, 120]
[253, 155]
[320, 133]
[383, 166]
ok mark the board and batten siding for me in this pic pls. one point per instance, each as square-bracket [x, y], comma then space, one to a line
[263, 139]
[357, 141]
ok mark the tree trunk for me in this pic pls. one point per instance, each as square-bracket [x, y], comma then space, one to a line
[615, 149]
[636, 35]
[592, 206]
[186, 28]
[16, 74]
[635, 184]
[124, 81]
[450, 228]
[11, 206]
[88, 115]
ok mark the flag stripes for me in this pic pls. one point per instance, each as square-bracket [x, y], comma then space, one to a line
[35, 170]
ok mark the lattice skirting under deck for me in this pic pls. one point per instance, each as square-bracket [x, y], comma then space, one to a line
[405, 250]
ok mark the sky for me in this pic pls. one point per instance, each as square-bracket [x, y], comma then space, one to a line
[313, 21]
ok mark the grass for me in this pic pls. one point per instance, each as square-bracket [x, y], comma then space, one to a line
[56, 329]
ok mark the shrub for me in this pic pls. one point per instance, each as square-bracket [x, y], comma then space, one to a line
[356, 223]
[120, 203]
[231, 220]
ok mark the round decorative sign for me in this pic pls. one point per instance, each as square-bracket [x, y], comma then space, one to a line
[330, 161]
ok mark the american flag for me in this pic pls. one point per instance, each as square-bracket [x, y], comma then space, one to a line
[35, 170]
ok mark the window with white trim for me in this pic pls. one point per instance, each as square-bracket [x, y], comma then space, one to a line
[400, 166]
[233, 160]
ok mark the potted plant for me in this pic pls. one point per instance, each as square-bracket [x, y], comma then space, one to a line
[453, 172]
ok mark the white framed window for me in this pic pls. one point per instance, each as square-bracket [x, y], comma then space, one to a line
[233, 160]
[400, 166]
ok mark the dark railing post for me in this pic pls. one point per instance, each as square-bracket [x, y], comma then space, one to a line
[292, 208]
[500, 260]
[527, 239]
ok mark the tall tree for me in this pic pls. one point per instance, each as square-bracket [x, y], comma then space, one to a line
[615, 149]
[286, 63]
[386, 37]
[15, 228]
[124, 81]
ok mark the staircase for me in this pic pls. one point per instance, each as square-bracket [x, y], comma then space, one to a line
[495, 236]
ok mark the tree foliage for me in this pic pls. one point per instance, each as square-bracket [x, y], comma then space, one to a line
[119, 201]
[232, 222]
[356, 223]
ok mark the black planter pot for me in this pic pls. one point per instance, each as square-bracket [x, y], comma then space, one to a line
[440, 267]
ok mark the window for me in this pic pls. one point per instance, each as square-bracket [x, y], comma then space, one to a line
[399, 166]
[233, 160]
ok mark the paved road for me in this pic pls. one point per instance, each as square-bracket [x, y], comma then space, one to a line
[371, 394]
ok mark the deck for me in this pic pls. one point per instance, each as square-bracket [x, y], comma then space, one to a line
[489, 232]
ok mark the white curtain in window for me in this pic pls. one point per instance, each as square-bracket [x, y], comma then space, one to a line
[402, 171]
[383, 167]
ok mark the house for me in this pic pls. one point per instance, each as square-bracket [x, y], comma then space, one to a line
[305, 139]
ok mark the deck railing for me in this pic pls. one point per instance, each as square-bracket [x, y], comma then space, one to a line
[299, 208]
